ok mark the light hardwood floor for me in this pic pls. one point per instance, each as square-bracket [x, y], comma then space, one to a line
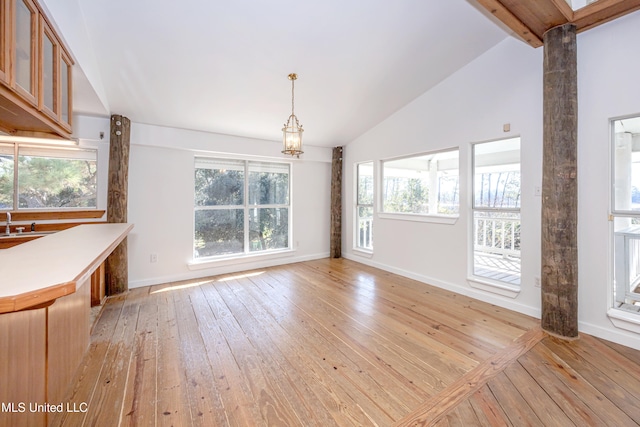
[337, 343]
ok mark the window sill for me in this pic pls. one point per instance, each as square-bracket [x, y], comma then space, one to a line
[363, 252]
[436, 219]
[494, 286]
[202, 264]
[624, 320]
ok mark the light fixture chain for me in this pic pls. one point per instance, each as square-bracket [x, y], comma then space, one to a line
[292, 96]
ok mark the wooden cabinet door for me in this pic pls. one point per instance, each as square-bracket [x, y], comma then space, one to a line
[25, 50]
[55, 77]
[65, 91]
[68, 332]
[23, 353]
[4, 37]
[49, 79]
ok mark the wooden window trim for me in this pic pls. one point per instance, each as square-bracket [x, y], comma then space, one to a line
[45, 215]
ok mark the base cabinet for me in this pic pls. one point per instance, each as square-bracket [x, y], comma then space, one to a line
[45, 316]
[40, 351]
[68, 339]
[97, 286]
[23, 342]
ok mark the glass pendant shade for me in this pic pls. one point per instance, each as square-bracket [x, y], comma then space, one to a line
[292, 130]
[292, 137]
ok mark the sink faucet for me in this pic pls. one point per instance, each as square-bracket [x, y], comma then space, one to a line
[8, 229]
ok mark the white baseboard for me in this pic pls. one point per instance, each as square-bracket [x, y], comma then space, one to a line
[488, 297]
[619, 337]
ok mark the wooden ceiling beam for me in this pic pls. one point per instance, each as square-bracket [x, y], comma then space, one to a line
[603, 11]
[510, 20]
[563, 7]
[538, 19]
[531, 19]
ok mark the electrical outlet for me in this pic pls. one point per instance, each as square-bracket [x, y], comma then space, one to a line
[153, 258]
[537, 282]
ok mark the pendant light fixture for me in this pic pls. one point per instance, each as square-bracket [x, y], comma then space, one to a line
[292, 130]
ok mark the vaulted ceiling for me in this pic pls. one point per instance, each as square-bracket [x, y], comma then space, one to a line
[222, 66]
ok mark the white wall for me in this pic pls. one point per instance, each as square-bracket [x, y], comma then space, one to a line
[161, 201]
[502, 86]
[66, 16]
[609, 87]
[161, 198]
[505, 86]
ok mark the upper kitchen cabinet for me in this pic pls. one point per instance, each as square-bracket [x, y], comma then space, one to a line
[35, 73]
[65, 89]
[25, 49]
[49, 56]
[55, 77]
[4, 49]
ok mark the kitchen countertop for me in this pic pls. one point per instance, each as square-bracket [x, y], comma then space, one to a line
[39, 271]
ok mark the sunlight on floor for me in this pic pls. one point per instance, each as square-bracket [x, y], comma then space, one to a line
[240, 276]
[200, 282]
[183, 286]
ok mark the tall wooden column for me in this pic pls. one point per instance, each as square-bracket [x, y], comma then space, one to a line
[559, 184]
[336, 204]
[116, 267]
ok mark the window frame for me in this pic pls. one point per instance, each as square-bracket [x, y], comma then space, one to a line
[246, 208]
[440, 218]
[70, 146]
[356, 234]
[620, 317]
[494, 285]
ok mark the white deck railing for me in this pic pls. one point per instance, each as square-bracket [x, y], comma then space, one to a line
[365, 233]
[497, 236]
[627, 262]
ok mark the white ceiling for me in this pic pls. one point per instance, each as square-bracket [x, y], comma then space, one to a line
[222, 66]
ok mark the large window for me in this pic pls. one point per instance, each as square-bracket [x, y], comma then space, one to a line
[241, 207]
[626, 213]
[364, 206]
[496, 210]
[47, 177]
[425, 184]
[7, 166]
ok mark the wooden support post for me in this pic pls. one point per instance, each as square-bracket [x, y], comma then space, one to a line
[336, 204]
[559, 184]
[116, 267]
